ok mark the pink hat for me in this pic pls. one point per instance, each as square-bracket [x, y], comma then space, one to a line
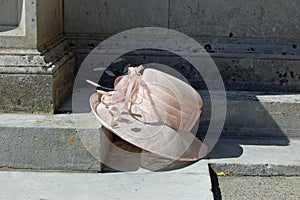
[153, 111]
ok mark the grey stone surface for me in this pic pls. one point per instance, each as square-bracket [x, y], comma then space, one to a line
[257, 115]
[268, 19]
[259, 187]
[253, 48]
[189, 183]
[249, 114]
[26, 93]
[63, 80]
[107, 17]
[44, 142]
[40, 24]
[253, 19]
[12, 18]
[24, 36]
[256, 157]
[37, 66]
[244, 64]
[73, 142]
[260, 74]
[49, 21]
[9, 13]
[261, 48]
[36, 82]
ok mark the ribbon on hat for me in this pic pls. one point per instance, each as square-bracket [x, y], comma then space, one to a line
[125, 90]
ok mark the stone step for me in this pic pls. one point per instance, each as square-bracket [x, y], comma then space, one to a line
[257, 187]
[48, 142]
[74, 141]
[70, 142]
[257, 115]
[249, 114]
[192, 182]
[256, 157]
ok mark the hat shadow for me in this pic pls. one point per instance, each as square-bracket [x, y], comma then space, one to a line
[248, 122]
[122, 156]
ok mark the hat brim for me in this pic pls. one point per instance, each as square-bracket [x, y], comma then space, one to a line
[156, 137]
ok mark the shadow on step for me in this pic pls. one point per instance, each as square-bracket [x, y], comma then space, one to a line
[121, 156]
[254, 118]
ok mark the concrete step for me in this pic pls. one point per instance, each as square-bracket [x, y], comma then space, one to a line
[192, 182]
[256, 157]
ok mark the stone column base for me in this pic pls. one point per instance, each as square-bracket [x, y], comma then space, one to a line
[35, 81]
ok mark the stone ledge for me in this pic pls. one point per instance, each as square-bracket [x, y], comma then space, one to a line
[73, 142]
[217, 47]
[244, 63]
[49, 142]
[34, 61]
[249, 114]
[256, 157]
[257, 115]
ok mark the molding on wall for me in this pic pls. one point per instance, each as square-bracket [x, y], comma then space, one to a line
[217, 47]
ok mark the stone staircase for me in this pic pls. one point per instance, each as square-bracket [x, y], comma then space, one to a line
[40, 52]
[75, 141]
[260, 138]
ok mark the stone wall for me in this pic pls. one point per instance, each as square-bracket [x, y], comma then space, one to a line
[272, 19]
[50, 21]
[255, 43]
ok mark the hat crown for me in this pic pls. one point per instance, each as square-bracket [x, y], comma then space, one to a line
[162, 96]
[171, 100]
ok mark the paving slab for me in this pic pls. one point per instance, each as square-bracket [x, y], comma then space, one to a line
[192, 182]
[273, 188]
[256, 157]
